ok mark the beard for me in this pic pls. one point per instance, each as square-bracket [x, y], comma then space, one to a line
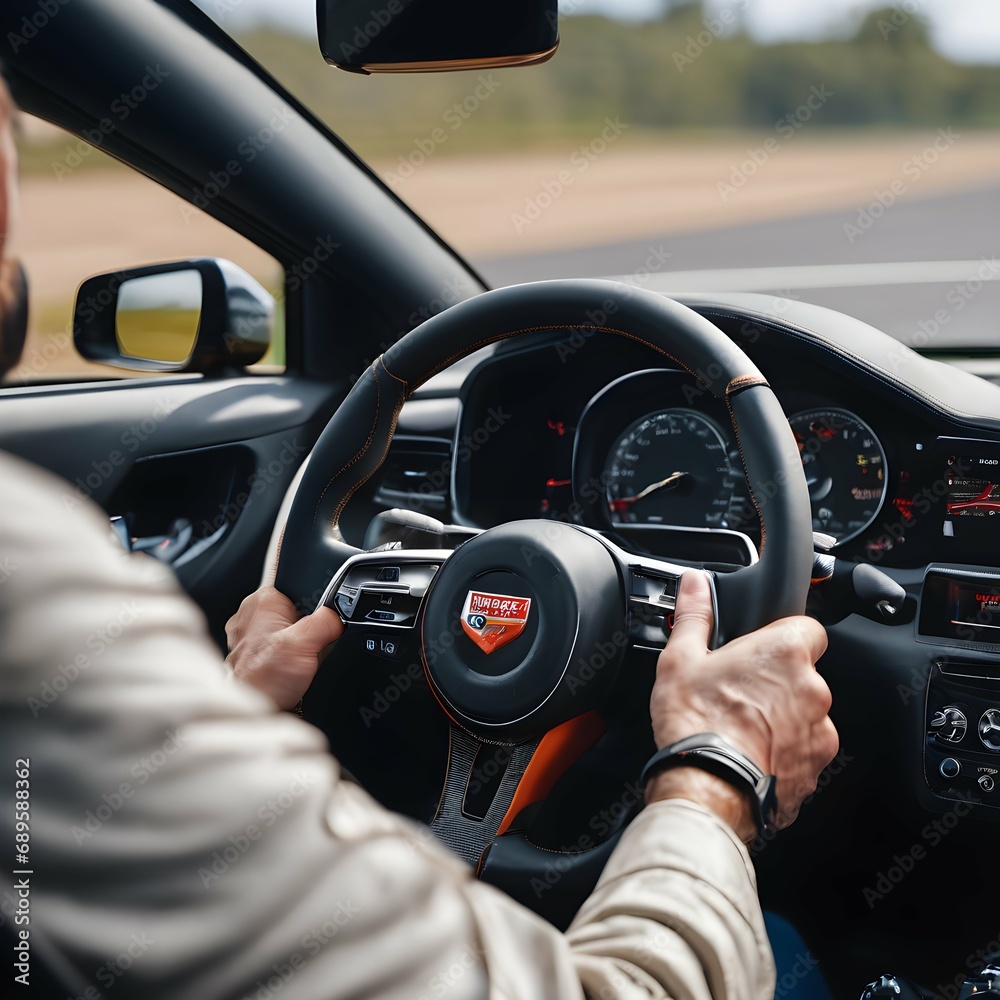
[13, 313]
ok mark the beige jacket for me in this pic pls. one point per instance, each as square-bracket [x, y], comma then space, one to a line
[191, 842]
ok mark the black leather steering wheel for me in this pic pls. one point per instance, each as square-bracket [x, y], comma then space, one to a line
[523, 627]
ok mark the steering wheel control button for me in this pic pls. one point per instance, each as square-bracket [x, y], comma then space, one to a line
[379, 645]
[950, 724]
[950, 768]
[347, 600]
[652, 600]
[373, 592]
[987, 782]
[566, 615]
[989, 729]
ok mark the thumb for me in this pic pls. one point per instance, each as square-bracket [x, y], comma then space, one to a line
[315, 632]
[693, 617]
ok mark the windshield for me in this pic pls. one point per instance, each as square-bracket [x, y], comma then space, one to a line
[845, 154]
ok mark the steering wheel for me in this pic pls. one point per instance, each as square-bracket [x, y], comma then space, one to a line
[523, 627]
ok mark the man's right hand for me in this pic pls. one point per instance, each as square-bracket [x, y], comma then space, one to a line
[761, 692]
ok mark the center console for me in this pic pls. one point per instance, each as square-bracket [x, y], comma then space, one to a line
[960, 613]
[960, 610]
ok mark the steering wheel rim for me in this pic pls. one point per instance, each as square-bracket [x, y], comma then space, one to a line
[313, 553]
[312, 548]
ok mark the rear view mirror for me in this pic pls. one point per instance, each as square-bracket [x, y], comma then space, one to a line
[429, 36]
[203, 315]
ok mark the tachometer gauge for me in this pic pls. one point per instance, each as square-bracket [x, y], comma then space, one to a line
[845, 469]
[674, 467]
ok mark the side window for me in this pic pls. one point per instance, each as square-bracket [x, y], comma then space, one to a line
[82, 213]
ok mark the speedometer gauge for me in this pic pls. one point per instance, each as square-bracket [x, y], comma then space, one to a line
[845, 470]
[674, 467]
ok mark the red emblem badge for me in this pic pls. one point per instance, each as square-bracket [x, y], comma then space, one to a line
[493, 620]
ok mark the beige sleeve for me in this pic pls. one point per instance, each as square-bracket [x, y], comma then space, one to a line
[188, 840]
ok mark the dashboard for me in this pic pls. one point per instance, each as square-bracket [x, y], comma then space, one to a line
[601, 433]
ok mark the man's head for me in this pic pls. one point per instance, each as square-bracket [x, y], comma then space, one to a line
[13, 288]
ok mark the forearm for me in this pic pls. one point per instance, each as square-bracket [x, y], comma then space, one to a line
[187, 810]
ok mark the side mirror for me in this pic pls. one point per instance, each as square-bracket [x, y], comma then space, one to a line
[432, 36]
[202, 315]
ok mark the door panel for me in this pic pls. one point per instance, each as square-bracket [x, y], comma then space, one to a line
[200, 466]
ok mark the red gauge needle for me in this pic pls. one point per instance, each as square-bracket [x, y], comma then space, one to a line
[669, 483]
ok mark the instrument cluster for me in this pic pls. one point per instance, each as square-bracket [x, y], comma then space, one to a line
[664, 452]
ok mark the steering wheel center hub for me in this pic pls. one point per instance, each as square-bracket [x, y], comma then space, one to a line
[524, 628]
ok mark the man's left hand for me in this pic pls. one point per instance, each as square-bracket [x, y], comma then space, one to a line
[275, 649]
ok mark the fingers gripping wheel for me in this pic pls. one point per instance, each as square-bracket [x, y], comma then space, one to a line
[528, 603]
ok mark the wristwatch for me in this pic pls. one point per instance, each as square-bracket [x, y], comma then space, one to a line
[712, 753]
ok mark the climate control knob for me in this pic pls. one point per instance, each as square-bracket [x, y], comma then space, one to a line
[989, 729]
[950, 724]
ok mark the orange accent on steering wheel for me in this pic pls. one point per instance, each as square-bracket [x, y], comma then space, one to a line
[558, 749]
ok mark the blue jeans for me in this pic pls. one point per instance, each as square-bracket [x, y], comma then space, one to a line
[798, 973]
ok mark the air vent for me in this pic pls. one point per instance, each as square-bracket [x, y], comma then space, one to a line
[417, 475]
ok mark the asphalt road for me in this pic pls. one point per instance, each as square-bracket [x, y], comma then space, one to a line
[943, 290]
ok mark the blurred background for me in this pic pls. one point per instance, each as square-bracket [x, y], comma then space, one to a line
[840, 152]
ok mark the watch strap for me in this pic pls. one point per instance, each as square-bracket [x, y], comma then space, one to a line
[710, 752]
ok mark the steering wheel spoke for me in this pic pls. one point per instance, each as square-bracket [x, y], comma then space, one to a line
[488, 787]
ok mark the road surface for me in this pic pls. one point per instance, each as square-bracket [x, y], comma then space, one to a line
[926, 271]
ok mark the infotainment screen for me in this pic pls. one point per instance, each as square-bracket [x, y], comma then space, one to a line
[961, 607]
[973, 497]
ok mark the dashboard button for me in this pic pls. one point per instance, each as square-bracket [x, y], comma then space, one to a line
[986, 782]
[950, 768]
